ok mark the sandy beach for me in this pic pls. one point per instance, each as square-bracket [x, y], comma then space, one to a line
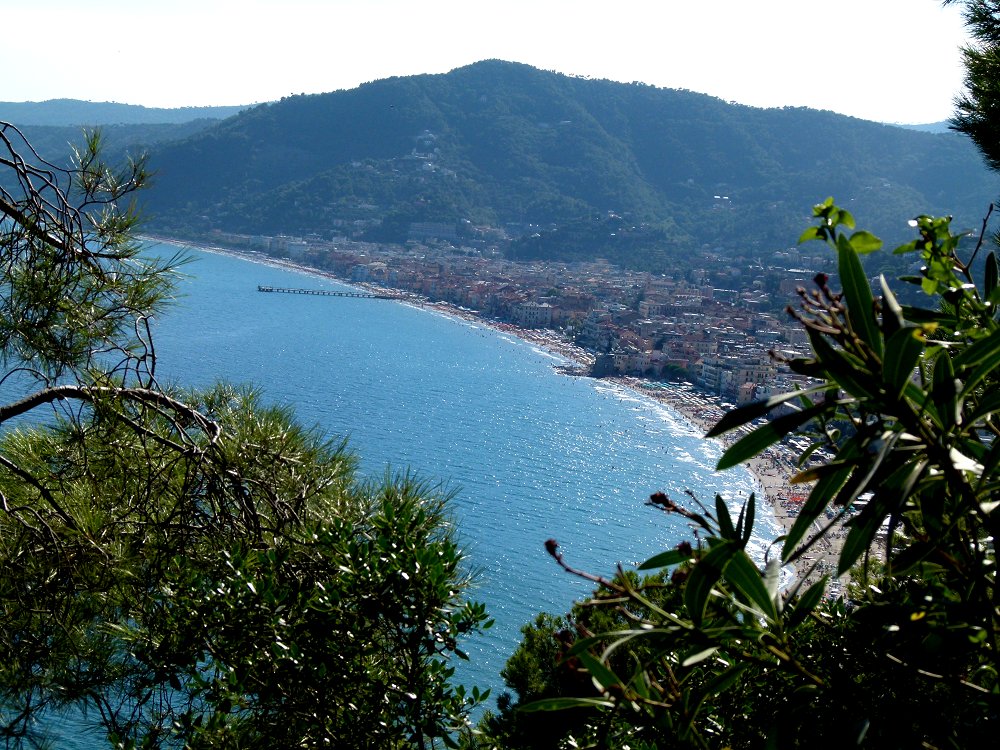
[772, 469]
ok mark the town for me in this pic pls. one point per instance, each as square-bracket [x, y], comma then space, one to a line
[718, 322]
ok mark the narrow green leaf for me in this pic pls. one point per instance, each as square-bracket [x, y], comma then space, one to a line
[989, 404]
[923, 316]
[844, 369]
[583, 644]
[726, 530]
[705, 574]
[743, 414]
[987, 361]
[662, 560]
[991, 461]
[858, 294]
[824, 491]
[892, 313]
[746, 579]
[862, 532]
[766, 435]
[991, 276]
[986, 350]
[723, 681]
[807, 602]
[699, 656]
[945, 390]
[895, 488]
[750, 509]
[922, 400]
[599, 671]
[772, 579]
[560, 704]
[902, 351]
[639, 682]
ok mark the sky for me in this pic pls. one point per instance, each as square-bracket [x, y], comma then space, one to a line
[892, 61]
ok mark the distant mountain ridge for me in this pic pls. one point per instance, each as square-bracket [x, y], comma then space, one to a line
[569, 168]
[74, 112]
[930, 127]
[508, 145]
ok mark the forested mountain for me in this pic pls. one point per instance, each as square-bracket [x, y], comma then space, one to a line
[52, 126]
[54, 142]
[570, 167]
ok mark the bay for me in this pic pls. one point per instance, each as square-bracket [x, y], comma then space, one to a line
[532, 454]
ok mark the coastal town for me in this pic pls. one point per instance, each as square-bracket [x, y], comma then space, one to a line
[712, 323]
[701, 341]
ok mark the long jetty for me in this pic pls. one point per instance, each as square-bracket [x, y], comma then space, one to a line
[325, 292]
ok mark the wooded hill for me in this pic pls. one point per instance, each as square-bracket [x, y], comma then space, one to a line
[574, 168]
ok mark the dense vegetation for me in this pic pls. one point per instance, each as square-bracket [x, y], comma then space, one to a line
[198, 570]
[190, 569]
[714, 655]
[904, 406]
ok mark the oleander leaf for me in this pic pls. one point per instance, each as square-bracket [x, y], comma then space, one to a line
[767, 435]
[744, 576]
[902, 351]
[858, 293]
[742, 415]
[663, 559]
[560, 704]
[599, 671]
[991, 276]
[726, 530]
[704, 575]
[698, 656]
[806, 603]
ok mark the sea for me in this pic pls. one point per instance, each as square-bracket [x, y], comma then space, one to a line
[530, 453]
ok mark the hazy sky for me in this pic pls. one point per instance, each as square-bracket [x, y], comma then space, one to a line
[886, 60]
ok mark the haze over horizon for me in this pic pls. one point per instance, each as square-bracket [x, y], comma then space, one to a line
[885, 60]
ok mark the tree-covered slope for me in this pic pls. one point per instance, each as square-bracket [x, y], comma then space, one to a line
[508, 144]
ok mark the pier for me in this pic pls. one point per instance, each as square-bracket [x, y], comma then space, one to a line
[325, 292]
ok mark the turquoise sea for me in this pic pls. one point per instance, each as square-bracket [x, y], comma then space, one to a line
[532, 454]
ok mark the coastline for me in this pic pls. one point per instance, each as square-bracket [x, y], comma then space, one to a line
[771, 470]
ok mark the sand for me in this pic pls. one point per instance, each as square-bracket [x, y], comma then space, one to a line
[772, 470]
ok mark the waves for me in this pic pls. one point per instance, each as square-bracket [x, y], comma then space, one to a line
[532, 453]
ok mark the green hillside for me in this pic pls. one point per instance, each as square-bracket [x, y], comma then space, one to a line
[535, 152]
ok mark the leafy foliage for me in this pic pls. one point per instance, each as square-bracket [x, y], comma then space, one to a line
[185, 569]
[904, 410]
[978, 108]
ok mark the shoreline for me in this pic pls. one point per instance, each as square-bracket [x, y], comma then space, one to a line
[770, 470]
